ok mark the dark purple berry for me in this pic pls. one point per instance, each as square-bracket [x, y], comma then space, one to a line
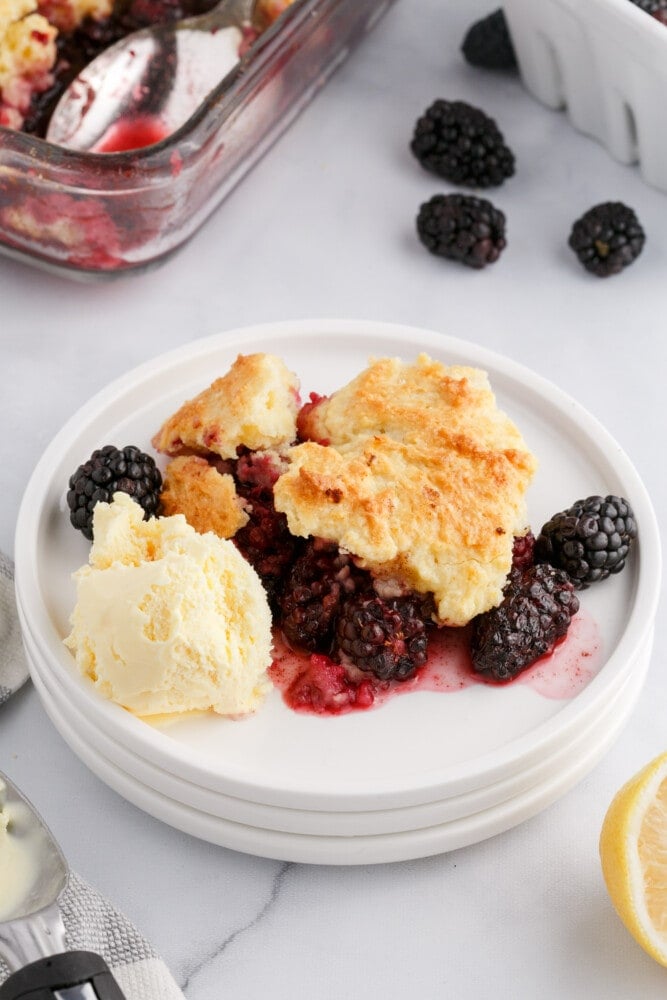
[488, 43]
[607, 238]
[522, 551]
[535, 612]
[387, 637]
[112, 470]
[590, 540]
[462, 144]
[265, 541]
[320, 579]
[462, 228]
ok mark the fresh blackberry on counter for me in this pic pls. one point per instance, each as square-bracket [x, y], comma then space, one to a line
[462, 144]
[112, 470]
[462, 228]
[488, 43]
[265, 540]
[536, 610]
[607, 238]
[320, 578]
[387, 637]
[590, 540]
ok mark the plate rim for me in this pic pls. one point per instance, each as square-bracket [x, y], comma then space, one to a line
[648, 552]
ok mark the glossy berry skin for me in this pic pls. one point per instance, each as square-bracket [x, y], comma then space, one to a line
[462, 228]
[318, 582]
[537, 608]
[387, 637]
[112, 470]
[265, 541]
[590, 540]
[607, 238]
[488, 43]
[461, 143]
[523, 551]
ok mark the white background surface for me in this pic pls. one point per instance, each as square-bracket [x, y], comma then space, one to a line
[325, 226]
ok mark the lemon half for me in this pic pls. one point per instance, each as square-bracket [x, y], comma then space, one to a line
[633, 852]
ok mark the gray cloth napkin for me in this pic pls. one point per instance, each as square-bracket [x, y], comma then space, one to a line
[91, 922]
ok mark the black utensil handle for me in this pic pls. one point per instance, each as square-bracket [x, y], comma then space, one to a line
[72, 975]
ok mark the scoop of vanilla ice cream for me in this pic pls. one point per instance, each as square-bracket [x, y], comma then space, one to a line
[167, 619]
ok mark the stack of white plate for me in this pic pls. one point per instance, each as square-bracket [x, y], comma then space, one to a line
[428, 771]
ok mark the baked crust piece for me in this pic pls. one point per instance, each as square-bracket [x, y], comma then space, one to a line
[207, 498]
[422, 479]
[253, 406]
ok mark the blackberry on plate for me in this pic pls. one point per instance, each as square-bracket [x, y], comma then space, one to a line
[463, 228]
[320, 578]
[607, 238]
[535, 612]
[112, 470]
[488, 43]
[522, 551]
[462, 144]
[265, 541]
[386, 637]
[590, 540]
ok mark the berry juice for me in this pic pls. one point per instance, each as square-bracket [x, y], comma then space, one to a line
[316, 685]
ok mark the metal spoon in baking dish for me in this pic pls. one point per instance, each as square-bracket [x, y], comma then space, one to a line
[33, 873]
[145, 86]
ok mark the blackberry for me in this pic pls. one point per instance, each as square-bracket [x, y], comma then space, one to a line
[607, 238]
[112, 470]
[462, 144]
[320, 578]
[488, 43]
[522, 551]
[463, 228]
[537, 607]
[387, 637]
[590, 540]
[265, 541]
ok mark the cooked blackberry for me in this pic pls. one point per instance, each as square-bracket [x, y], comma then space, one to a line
[112, 470]
[387, 637]
[488, 43]
[320, 578]
[536, 610]
[522, 551]
[265, 540]
[607, 238]
[590, 540]
[461, 143]
[462, 228]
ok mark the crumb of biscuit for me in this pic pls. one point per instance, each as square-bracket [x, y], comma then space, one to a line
[423, 480]
[27, 57]
[207, 498]
[253, 406]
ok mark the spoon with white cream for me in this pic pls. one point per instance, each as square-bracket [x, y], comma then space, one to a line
[33, 873]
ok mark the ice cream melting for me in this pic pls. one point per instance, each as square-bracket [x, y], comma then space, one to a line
[20, 848]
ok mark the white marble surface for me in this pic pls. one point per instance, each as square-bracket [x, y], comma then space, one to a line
[324, 226]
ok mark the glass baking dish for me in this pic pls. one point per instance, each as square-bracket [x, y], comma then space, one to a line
[99, 215]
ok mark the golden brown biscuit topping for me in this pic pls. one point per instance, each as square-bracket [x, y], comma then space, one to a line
[423, 479]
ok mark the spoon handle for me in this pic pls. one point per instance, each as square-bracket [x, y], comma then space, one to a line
[75, 975]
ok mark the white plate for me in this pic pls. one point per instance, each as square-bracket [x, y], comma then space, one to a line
[305, 848]
[319, 822]
[416, 749]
